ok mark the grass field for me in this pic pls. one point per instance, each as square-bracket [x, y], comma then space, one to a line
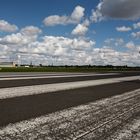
[69, 69]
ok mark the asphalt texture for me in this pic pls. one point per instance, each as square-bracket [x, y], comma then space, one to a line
[22, 108]
[36, 81]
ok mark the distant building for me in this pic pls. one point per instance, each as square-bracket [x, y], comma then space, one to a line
[7, 64]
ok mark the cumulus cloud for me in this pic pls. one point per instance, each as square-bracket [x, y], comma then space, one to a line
[3, 49]
[25, 36]
[13, 39]
[67, 51]
[74, 18]
[96, 14]
[58, 50]
[123, 29]
[107, 55]
[77, 14]
[7, 27]
[81, 29]
[62, 50]
[114, 42]
[31, 30]
[136, 25]
[55, 20]
[119, 9]
[111, 55]
[130, 45]
[26, 46]
[136, 35]
[68, 43]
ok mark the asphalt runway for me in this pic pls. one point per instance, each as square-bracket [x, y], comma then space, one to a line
[9, 79]
[25, 107]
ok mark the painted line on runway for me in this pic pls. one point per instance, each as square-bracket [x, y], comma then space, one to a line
[55, 76]
[47, 88]
[36, 74]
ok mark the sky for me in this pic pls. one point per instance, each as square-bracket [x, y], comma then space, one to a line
[70, 32]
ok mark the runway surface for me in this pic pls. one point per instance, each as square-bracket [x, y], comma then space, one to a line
[26, 96]
[26, 79]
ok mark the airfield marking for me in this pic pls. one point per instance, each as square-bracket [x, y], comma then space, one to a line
[47, 88]
[53, 76]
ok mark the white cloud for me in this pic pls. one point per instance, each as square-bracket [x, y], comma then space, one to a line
[114, 42]
[55, 20]
[17, 38]
[48, 50]
[119, 9]
[104, 56]
[77, 14]
[76, 44]
[61, 50]
[7, 27]
[136, 25]
[96, 16]
[123, 29]
[130, 45]
[81, 29]
[25, 36]
[31, 30]
[78, 51]
[74, 18]
[3, 48]
[136, 35]
[114, 56]
[109, 56]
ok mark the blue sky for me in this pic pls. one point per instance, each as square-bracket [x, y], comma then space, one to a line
[26, 12]
[70, 32]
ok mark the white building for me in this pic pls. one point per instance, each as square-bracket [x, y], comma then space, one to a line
[7, 64]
